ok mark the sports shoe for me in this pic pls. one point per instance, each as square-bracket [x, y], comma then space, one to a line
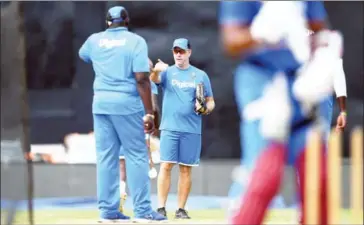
[162, 211]
[122, 202]
[116, 217]
[154, 216]
[181, 214]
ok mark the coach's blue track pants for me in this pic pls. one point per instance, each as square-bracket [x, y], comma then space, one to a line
[110, 132]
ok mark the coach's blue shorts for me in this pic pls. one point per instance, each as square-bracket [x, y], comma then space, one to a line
[180, 147]
[250, 81]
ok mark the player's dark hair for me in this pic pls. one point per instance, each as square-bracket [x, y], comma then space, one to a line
[122, 21]
[188, 45]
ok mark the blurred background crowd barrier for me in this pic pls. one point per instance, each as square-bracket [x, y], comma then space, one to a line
[41, 71]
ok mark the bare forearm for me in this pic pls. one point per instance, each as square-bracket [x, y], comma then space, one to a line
[144, 89]
[156, 110]
[342, 103]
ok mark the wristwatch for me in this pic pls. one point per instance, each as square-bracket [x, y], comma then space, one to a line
[343, 113]
[147, 116]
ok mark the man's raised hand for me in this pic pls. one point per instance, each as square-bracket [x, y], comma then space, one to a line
[160, 66]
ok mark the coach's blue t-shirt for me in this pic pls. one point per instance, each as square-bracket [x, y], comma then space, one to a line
[116, 54]
[243, 13]
[179, 95]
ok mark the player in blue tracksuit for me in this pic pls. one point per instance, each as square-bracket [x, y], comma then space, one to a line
[121, 103]
[123, 194]
[264, 157]
[180, 124]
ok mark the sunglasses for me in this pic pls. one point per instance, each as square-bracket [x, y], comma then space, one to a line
[178, 50]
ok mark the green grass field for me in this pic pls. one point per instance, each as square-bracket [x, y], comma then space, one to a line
[212, 216]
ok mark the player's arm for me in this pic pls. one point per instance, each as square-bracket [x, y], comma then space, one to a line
[155, 104]
[317, 17]
[143, 85]
[154, 89]
[340, 88]
[158, 73]
[156, 109]
[85, 50]
[155, 76]
[140, 68]
[154, 96]
[235, 19]
[342, 104]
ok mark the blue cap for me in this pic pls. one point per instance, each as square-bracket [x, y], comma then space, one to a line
[182, 43]
[115, 13]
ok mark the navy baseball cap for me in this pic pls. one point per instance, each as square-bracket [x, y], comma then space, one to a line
[182, 43]
[117, 14]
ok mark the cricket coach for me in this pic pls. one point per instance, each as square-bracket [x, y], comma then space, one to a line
[187, 95]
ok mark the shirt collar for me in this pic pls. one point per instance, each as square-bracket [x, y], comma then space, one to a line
[117, 28]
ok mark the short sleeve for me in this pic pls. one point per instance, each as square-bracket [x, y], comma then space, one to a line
[140, 58]
[237, 12]
[207, 84]
[85, 51]
[316, 11]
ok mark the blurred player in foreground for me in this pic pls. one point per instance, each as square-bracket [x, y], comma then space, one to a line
[152, 171]
[276, 100]
[122, 95]
[325, 109]
[181, 122]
